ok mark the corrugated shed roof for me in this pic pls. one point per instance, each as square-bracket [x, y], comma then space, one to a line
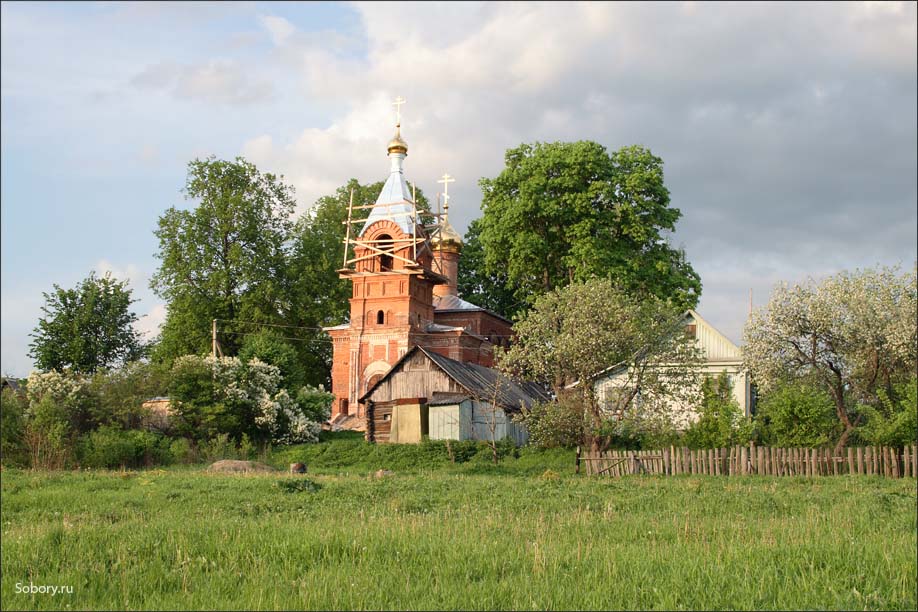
[446, 399]
[485, 383]
[479, 381]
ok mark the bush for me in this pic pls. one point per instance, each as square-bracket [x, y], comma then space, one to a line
[112, 447]
[721, 422]
[226, 396]
[13, 408]
[117, 396]
[895, 421]
[219, 447]
[315, 404]
[269, 347]
[797, 414]
[553, 424]
[183, 451]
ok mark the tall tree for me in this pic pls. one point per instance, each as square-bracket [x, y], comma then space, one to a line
[855, 333]
[225, 258]
[87, 328]
[480, 286]
[562, 212]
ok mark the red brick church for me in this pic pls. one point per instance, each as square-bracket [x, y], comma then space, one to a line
[403, 273]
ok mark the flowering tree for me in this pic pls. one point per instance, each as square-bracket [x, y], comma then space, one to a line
[226, 395]
[576, 333]
[56, 414]
[854, 333]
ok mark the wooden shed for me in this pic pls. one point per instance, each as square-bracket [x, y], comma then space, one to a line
[427, 394]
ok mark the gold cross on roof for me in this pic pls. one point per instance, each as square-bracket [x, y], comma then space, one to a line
[446, 180]
[398, 109]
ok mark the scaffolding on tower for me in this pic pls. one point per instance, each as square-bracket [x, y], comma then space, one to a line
[426, 225]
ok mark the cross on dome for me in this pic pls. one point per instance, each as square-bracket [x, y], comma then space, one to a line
[446, 179]
[398, 109]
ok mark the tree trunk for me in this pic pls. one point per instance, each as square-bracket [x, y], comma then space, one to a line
[838, 394]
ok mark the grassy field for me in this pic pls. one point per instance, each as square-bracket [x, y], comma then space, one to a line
[454, 536]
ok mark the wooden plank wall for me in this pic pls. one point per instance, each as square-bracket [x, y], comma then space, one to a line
[755, 460]
[378, 426]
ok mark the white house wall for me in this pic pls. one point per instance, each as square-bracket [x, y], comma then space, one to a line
[720, 355]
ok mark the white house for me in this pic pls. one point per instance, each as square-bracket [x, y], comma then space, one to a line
[720, 355]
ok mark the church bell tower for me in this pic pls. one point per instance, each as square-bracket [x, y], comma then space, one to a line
[390, 265]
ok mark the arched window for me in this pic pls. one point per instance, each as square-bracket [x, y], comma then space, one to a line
[384, 243]
[380, 318]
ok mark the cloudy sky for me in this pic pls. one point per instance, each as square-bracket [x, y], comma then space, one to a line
[788, 131]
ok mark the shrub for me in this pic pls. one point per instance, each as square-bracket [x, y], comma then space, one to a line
[797, 414]
[269, 347]
[553, 424]
[315, 403]
[894, 422]
[59, 397]
[13, 408]
[721, 422]
[183, 451]
[117, 396]
[112, 447]
[226, 396]
[219, 447]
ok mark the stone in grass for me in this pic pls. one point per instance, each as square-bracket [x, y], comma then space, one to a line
[383, 473]
[231, 466]
[297, 468]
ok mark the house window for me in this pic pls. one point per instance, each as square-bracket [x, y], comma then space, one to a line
[380, 318]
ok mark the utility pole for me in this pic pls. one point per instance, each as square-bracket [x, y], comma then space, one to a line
[215, 346]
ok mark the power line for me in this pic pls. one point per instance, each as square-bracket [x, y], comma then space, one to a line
[267, 324]
[417, 333]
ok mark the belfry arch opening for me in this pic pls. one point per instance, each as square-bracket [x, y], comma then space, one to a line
[384, 260]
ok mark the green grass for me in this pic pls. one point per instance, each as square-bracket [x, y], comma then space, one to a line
[457, 536]
[346, 453]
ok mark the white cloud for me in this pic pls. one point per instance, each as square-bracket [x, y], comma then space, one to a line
[215, 81]
[279, 28]
[771, 119]
[148, 324]
[133, 274]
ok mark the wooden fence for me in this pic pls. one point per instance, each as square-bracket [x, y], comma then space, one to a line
[752, 459]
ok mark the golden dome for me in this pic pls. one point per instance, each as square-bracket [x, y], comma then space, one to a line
[397, 144]
[447, 238]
